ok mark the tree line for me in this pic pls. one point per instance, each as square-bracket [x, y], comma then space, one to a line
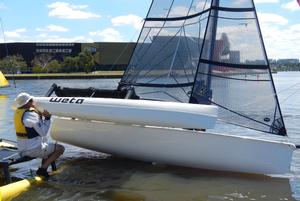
[46, 63]
[286, 67]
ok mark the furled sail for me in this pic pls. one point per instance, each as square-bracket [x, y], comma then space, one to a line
[207, 52]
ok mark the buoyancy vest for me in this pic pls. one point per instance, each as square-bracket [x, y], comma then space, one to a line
[23, 132]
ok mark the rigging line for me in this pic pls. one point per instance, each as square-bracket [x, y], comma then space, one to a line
[189, 54]
[199, 37]
[285, 89]
[129, 66]
[143, 42]
[178, 32]
[168, 13]
[199, 34]
[163, 92]
[182, 30]
[156, 78]
[243, 126]
[240, 114]
[123, 51]
[151, 92]
[175, 53]
[167, 42]
[6, 50]
[184, 69]
[272, 95]
[157, 53]
[178, 100]
[180, 87]
[289, 96]
[156, 64]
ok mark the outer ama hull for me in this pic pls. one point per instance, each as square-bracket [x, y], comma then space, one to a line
[126, 111]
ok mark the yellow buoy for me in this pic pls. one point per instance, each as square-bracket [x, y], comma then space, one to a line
[10, 191]
[3, 80]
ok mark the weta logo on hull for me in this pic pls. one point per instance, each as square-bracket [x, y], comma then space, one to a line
[66, 100]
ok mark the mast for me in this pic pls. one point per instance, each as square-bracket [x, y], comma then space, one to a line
[215, 13]
[205, 95]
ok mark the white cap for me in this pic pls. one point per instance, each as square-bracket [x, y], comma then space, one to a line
[22, 99]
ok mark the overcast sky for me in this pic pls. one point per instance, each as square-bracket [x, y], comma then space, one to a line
[121, 20]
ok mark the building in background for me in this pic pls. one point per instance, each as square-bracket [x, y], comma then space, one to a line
[287, 61]
[108, 56]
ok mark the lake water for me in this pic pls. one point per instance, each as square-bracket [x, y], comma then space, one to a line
[88, 175]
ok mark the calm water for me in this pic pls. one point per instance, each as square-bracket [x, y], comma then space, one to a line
[87, 175]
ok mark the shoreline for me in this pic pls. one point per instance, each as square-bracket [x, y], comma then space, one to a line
[96, 75]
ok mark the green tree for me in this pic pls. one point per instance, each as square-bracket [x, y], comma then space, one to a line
[42, 60]
[86, 60]
[37, 69]
[70, 64]
[54, 67]
[13, 64]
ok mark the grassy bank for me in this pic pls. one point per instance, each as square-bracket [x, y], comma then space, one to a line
[94, 75]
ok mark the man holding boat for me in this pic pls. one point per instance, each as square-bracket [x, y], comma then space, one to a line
[31, 129]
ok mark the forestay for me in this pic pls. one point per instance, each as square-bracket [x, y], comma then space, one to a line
[207, 52]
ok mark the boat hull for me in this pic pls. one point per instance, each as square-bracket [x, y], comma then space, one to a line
[126, 111]
[177, 146]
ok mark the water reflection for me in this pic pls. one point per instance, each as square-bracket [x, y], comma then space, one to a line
[99, 178]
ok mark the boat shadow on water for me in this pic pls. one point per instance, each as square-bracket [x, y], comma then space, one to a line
[121, 179]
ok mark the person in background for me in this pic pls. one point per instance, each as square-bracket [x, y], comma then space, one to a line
[31, 129]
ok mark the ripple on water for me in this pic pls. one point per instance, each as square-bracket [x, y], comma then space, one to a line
[107, 178]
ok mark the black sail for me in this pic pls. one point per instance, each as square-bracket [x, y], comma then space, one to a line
[207, 52]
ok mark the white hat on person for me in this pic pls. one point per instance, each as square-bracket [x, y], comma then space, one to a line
[22, 99]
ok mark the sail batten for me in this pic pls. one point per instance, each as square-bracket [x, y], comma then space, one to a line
[207, 52]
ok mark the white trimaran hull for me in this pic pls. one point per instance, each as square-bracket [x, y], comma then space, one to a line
[177, 146]
[173, 146]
